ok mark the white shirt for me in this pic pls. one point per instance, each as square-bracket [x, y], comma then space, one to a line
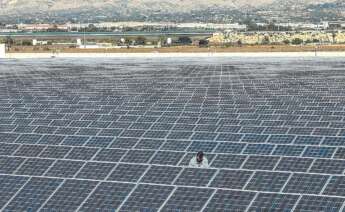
[194, 163]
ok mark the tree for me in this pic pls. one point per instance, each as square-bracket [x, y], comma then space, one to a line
[334, 36]
[9, 42]
[266, 40]
[184, 40]
[297, 41]
[26, 43]
[140, 40]
[239, 42]
[286, 42]
[203, 43]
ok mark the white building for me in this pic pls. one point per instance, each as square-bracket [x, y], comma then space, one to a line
[36, 42]
[2, 50]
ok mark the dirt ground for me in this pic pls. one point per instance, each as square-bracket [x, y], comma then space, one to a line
[180, 49]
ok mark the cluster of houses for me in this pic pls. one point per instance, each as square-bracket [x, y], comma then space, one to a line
[306, 37]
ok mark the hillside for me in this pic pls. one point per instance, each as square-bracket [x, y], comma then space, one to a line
[166, 10]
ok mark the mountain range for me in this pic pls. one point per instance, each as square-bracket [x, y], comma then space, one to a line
[168, 10]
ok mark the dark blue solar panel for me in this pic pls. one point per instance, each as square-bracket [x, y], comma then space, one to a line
[228, 161]
[33, 194]
[70, 195]
[281, 139]
[161, 174]
[9, 186]
[267, 181]
[328, 166]
[261, 162]
[293, 164]
[55, 152]
[167, 158]
[64, 168]
[147, 198]
[183, 199]
[319, 203]
[34, 167]
[306, 183]
[205, 146]
[101, 142]
[95, 170]
[234, 148]
[319, 152]
[274, 202]
[258, 149]
[128, 172]
[9, 164]
[288, 150]
[75, 140]
[107, 197]
[232, 179]
[224, 200]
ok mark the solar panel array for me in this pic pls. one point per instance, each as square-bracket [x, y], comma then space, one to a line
[105, 135]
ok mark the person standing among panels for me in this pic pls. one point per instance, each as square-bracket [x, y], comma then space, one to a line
[199, 161]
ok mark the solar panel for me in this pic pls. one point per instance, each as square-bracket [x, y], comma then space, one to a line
[128, 172]
[204, 146]
[9, 186]
[232, 179]
[149, 144]
[9, 164]
[55, 152]
[107, 197]
[267, 181]
[319, 152]
[64, 168]
[70, 195]
[292, 164]
[224, 200]
[29, 150]
[138, 156]
[28, 138]
[228, 161]
[8, 137]
[328, 166]
[288, 150]
[234, 148]
[34, 166]
[110, 155]
[147, 197]
[319, 203]
[175, 145]
[35, 192]
[261, 162]
[120, 136]
[274, 202]
[188, 199]
[101, 142]
[75, 140]
[167, 158]
[306, 183]
[161, 175]
[51, 139]
[258, 149]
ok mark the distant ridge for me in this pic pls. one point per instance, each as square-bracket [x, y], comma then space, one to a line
[189, 10]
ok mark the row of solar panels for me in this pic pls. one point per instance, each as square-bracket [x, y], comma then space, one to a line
[149, 146]
[164, 129]
[265, 163]
[173, 157]
[24, 193]
[235, 133]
